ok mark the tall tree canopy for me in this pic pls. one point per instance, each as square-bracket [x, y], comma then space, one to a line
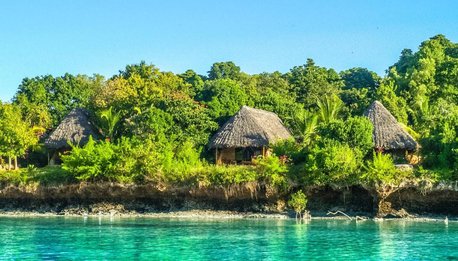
[309, 82]
[45, 100]
[315, 102]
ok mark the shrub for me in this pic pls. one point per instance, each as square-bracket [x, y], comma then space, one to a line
[334, 163]
[381, 170]
[356, 132]
[92, 162]
[272, 170]
[298, 202]
[13, 177]
[132, 160]
[289, 149]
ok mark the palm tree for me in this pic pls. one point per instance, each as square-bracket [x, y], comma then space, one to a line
[110, 120]
[305, 123]
[329, 108]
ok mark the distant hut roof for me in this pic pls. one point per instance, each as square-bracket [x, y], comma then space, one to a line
[250, 127]
[74, 128]
[388, 134]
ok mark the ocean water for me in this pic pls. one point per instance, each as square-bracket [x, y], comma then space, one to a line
[78, 238]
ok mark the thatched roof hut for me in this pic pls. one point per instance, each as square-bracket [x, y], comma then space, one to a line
[388, 134]
[74, 128]
[250, 127]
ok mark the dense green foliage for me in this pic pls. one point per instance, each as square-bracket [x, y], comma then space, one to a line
[16, 136]
[298, 202]
[156, 124]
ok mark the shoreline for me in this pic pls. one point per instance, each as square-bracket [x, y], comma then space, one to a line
[220, 215]
[240, 202]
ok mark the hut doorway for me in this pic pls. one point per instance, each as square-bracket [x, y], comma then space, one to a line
[245, 155]
[238, 155]
[54, 156]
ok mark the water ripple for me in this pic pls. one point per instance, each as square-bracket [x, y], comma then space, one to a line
[60, 238]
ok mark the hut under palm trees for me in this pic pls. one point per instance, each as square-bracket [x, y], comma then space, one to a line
[388, 135]
[247, 134]
[75, 129]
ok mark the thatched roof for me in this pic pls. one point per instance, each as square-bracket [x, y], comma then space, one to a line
[250, 128]
[388, 134]
[74, 128]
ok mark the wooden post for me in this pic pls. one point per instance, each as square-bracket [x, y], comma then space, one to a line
[216, 156]
[263, 151]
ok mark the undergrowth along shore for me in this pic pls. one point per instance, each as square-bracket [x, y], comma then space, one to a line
[279, 184]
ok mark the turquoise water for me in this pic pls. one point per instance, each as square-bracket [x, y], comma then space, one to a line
[57, 238]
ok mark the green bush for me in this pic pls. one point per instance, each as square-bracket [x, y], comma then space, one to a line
[92, 162]
[43, 176]
[272, 171]
[381, 170]
[356, 132]
[13, 177]
[334, 163]
[291, 149]
[298, 202]
[132, 160]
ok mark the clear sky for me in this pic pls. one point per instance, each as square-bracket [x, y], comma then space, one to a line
[94, 36]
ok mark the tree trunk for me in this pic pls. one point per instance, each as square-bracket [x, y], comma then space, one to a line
[382, 208]
[9, 163]
[15, 163]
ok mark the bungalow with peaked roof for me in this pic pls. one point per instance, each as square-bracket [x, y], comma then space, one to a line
[247, 134]
[388, 135]
[75, 129]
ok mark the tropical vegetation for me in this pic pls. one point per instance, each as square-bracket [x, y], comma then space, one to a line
[154, 125]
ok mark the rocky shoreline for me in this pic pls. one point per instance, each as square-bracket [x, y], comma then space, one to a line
[241, 201]
[218, 215]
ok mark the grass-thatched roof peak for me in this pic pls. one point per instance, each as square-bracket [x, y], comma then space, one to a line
[250, 127]
[74, 128]
[388, 134]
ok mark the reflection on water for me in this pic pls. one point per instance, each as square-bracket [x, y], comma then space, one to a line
[142, 238]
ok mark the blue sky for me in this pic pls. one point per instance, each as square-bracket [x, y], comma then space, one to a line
[95, 36]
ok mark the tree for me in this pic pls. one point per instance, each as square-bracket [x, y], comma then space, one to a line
[16, 136]
[298, 202]
[224, 70]
[358, 78]
[285, 107]
[310, 82]
[416, 76]
[386, 94]
[145, 71]
[305, 124]
[223, 97]
[359, 89]
[191, 120]
[272, 82]
[54, 97]
[195, 81]
[139, 86]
